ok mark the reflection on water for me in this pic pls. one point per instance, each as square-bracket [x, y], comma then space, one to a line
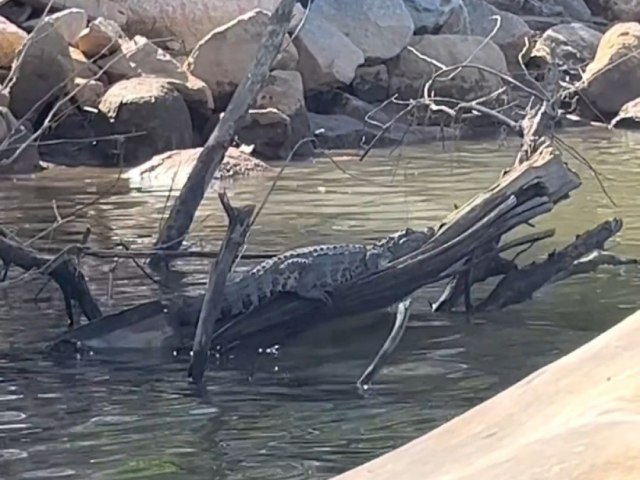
[294, 414]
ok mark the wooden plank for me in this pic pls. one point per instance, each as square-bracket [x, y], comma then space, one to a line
[577, 418]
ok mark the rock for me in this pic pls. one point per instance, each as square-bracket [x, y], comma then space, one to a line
[540, 8]
[621, 10]
[100, 38]
[371, 83]
[16, 13]
[148, 105]
[43, 70]
[629, 115]
[117, 67]
[88, 93]
[327, 58]
[430, 15]
[189, 21]
[379, 28]
[576, 9]
[11, 39]
[108, 9]
[340, 132]
[70, 23]
[570, 45]
[407, 72]
[458, 22]
[612, 78]
[511, 36]
[28, 161]
[337, 102]
[595, 6]
[223, 58]
[82, 67]
[172, 168]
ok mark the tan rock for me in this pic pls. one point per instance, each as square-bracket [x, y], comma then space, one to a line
[379, 28]
[222, 59]
[574, 419]
[407, 72]
[43, 70]
[149, 105]
[512, 35]
[613, 77]
[88, 92]
[82, 67]
[12, 136]
[100, 38]
[371, 83]
[11, 39]
[327, 58]
[171, 169]
[570, 46]
[70, 23]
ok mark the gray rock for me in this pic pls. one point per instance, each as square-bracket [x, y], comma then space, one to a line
[430, 15]
[576, 9]
[371, 83]
[379, 28]
[458, 22]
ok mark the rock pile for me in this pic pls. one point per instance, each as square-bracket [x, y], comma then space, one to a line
[90, 70]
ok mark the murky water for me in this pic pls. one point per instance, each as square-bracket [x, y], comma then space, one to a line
[295, 414]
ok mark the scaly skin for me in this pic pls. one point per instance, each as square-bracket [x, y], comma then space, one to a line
[313, 272]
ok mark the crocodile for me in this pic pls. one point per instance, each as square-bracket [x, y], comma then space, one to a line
[312, 272]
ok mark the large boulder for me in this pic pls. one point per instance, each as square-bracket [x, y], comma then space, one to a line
[223, 58]
[430, 15]
[379, 28]
[150, 106]
[569, 46]
[43, 70]
[613, 77]
[408, 73]
[11, 39]
[326, 57]
[188, 21]
[512, 35]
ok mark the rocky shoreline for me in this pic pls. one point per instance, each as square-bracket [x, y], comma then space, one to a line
[132, 83]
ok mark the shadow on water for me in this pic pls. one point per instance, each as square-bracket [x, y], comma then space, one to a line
[293, 412]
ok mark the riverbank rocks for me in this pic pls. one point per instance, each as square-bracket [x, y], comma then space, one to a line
[570, 46]
[429, 15]
[371, 83]
[613, 77]
[43, 70]
[408, 73]
[150, 106]
[11, 39]
[379, 28]
[222, 58]
[27, 161]
[326, 57]
[512, 35]
[458, 22]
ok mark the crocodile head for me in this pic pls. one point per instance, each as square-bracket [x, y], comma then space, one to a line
[398, 245]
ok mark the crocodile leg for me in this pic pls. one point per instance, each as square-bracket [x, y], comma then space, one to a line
[306, 284]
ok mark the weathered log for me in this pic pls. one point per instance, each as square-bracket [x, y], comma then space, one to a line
[61, 268]
[177, 225]
[519, 285]
[237, 231]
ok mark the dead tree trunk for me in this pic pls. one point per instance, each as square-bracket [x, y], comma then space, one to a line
[239, 225]
[184, 209]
